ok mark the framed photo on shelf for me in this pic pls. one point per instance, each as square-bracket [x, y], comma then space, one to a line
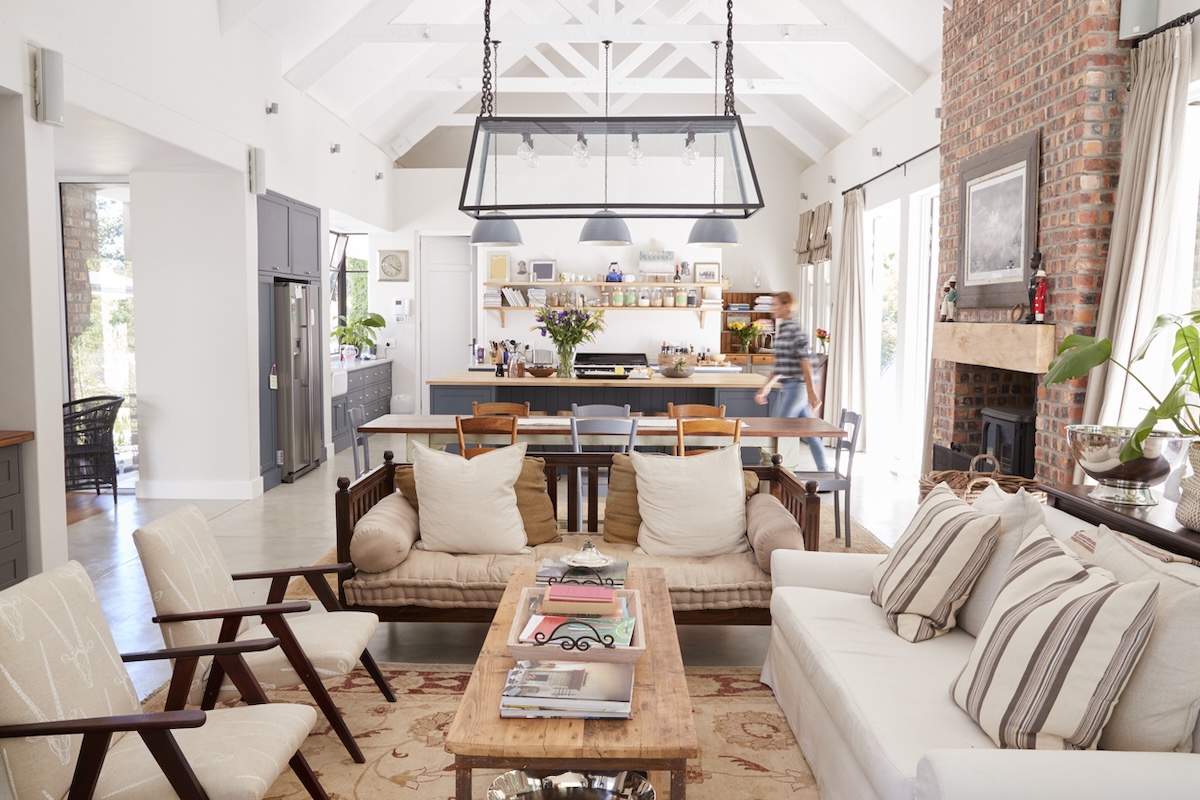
[498, 267]
[707, 271]
[541, 270]
[393, 265]
[998, 224]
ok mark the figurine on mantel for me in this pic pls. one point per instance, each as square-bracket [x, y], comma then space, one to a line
[949, 300]
[1037, 290]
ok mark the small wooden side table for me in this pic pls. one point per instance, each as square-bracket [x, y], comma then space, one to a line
[1154, 524]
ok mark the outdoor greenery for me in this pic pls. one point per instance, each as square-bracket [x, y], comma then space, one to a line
[889, 319]
[1079, 355]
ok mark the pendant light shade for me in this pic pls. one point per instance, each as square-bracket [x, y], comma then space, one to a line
[713, 230]
[605, 228]
[495, 230]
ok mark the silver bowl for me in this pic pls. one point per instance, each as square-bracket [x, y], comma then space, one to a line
[678, 372]
[527, 784]
[1097, 451]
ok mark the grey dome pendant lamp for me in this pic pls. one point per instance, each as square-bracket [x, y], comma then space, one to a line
[493, 229]
[604, 228]
[713, 230]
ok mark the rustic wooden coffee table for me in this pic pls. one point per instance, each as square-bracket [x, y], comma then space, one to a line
[661, 735]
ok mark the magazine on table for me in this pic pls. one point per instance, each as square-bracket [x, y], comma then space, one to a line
[569, 686]
[619, 628]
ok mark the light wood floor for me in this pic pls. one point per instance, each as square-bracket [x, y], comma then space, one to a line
[293, 524]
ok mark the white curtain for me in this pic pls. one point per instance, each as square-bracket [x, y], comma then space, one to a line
[846, 377]
[1144, 244]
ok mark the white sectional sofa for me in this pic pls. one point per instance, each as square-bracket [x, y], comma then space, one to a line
[875, 717]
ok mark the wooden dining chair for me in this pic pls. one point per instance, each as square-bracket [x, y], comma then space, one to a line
[705, 427]
[695, 410]
[478, 426]
[499, 409]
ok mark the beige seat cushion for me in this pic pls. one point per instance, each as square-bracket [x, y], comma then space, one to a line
[1159, 706]
[926, 577]
[533, 502]
[1058, 646]
[457, 495]
[691, 506]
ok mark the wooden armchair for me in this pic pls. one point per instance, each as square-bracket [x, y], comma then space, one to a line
[68, 706]
[469, 427]
[499, 409]
[695, 410]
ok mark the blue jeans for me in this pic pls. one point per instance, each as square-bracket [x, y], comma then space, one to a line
[793, 402]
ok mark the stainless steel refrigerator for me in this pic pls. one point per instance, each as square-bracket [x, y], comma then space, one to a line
[297, 358]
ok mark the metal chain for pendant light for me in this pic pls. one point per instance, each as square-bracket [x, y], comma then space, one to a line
[485, 102]
[729, 105]
[607, 45]
[716, 71]
[491, 107]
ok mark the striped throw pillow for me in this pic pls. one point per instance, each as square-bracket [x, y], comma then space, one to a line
[927, 576]
[1056, 650]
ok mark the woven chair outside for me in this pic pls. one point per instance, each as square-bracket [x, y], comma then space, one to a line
[89, 453]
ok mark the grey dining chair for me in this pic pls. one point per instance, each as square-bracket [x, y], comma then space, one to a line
[599, 410]
[606, 426]
[838, 480]
[356, 417]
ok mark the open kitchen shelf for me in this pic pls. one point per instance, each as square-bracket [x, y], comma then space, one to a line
[554, 285]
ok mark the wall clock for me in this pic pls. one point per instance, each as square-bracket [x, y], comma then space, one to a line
[393, 265]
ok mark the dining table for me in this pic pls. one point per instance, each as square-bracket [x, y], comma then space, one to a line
[438, 430]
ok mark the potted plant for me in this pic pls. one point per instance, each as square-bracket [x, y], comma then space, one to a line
[568, 329]
[745, 332]
[358, 330]
[1078, 355]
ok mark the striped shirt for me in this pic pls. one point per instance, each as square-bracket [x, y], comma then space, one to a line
[791, 348]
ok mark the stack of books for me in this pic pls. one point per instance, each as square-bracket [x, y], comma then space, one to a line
[612, 575]
[492, 298]
[537, 296]
[575, 689]
[764, 302]
[514, 297]
[583, 600]
[738, 306]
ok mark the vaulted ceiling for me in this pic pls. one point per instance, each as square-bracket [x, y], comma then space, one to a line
[406, 74]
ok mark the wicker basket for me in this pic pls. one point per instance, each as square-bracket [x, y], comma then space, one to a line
[970, 483]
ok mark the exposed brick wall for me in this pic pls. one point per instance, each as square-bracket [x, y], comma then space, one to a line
[81, 241]
[1010, 67]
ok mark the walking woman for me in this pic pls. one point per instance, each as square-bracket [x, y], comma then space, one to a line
[792, 372]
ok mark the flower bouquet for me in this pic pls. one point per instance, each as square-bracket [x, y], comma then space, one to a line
[568, 328]
[822, 337]
[745, 332]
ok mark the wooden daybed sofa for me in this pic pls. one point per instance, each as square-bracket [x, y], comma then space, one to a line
[439, 587]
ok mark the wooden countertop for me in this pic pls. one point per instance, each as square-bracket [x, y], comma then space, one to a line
[699, 380]
[15, 437]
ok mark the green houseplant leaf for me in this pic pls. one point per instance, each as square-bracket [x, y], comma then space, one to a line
[359, 330]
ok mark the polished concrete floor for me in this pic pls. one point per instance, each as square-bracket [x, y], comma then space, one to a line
[294, 523]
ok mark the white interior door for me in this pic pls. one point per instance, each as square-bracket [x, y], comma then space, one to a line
[449, 307]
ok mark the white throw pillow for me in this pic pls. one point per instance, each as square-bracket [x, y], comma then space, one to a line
[384, 535]
[928, 574]
[1160, 703]
[470, 505]
[691, 505]
[1019, 516]
[1059, 645]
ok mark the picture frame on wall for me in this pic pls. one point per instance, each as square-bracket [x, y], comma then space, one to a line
[393, 265]
[707, 271]
[541, 270]
[998, 190]
[498, 267]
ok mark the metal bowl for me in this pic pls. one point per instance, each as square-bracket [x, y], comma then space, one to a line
[1097, 451]
[524, 784]
[678, 372]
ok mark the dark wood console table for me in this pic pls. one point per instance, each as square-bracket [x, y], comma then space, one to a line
[1154, 524]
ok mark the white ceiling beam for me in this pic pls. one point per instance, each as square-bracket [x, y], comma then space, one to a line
[767, 113]
[873, 45]
[632, 10]
[232, 12]
[555, 74]
[579, 10]
[373, 18]
[662, 68]
[557, 84]
[441, 33]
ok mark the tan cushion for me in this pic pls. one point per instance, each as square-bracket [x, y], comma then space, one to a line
[533, 501]
[385, 534]
[1160, 703]
[691, 506]
[1019, 516]
[926, 577]
[469, 505]
[1056, 650]
[621, 516]
[770, 527]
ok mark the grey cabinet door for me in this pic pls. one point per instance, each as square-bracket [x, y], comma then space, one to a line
[272, 237]
[304, 236]
[268, 435]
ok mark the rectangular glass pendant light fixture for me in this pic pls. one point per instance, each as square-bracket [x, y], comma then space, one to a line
[658, 167]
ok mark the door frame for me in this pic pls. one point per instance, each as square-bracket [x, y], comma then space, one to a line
[425, 303]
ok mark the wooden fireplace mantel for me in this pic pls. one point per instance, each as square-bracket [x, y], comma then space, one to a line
[1023, 348]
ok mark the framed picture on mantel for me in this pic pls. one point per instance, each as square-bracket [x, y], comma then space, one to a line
[998, 192]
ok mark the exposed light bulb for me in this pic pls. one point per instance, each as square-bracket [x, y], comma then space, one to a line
[525, 148]
[533, 160]
[690, 151]
[636, 154]
[580, 149]
[585, 159]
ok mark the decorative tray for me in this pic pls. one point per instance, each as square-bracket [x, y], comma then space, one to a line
[553, 650]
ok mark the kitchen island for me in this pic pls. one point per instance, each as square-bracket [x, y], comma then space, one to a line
[454, 392]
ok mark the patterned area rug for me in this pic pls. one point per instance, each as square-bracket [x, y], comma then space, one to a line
[746, 747]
